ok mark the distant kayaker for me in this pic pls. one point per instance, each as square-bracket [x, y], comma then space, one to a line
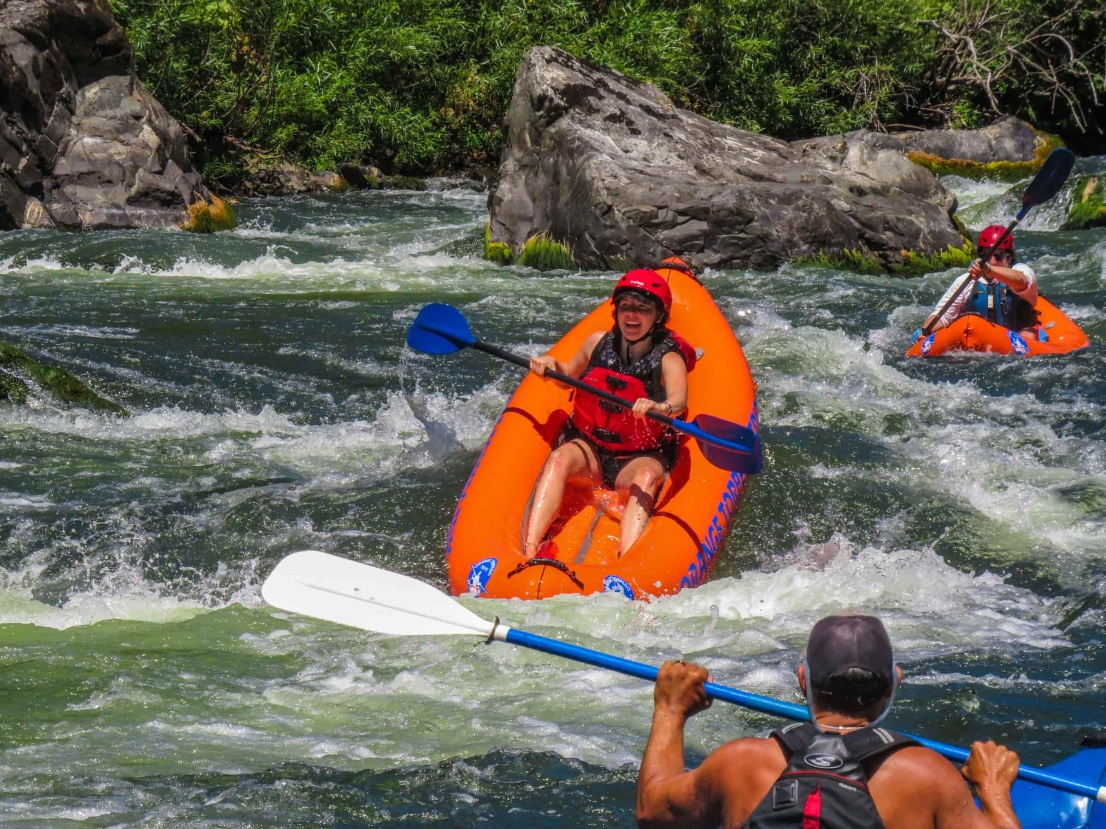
[1004, 292]
[841, 772]
[644, 363]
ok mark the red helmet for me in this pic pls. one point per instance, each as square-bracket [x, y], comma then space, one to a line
[646, 282]
[991, 234]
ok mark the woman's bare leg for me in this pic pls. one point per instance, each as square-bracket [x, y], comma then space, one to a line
[643, 478]
[569, 459]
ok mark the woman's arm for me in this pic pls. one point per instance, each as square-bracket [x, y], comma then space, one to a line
[575, 366]
[674, 380]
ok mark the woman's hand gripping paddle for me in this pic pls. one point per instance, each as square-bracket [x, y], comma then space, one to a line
[442, 329]
[1046, 184]
[357, 595]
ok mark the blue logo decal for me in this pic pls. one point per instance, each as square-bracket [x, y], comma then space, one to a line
[479, 574]
[613, 584]
[823, 761]
[1020, 346]
[927, 343]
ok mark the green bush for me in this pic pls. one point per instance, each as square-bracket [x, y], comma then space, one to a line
[421, 86]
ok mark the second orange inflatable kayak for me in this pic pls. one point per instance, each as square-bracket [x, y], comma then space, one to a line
[972, 332]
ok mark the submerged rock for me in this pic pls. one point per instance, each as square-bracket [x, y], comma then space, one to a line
[270, 176]
[83, 144]
[22, 376]
[609, 168]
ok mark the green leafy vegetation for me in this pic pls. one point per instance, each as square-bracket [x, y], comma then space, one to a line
[543, 253]
[911, 263]
[1089, 209]
[209, 218]
[498, 252]
[916, 264]
[421, 86]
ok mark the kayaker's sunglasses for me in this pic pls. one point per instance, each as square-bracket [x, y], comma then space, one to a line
[999, 255]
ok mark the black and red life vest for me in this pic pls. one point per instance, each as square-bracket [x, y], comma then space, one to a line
[825, 785]
[610, 426]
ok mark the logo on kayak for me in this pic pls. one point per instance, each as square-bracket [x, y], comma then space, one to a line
[613, 584]
[1018, 343]
[927, 343]
[479, 574]
[823, 761]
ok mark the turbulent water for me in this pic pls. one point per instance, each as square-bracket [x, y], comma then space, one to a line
[274, 407]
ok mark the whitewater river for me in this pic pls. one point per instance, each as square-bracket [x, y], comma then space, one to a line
[274, 407]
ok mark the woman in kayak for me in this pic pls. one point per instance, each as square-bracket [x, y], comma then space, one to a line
[1003, 293]
[642, 362]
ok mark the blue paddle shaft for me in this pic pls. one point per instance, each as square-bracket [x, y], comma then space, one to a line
[679, 425]
[765, 705]
[442, 329]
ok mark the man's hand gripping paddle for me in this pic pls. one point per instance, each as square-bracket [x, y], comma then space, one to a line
[442, 329]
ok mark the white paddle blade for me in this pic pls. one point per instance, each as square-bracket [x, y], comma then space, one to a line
[346, 592]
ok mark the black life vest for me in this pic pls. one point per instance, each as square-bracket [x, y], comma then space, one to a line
[613, 427]
[825, 784]
[997, 303]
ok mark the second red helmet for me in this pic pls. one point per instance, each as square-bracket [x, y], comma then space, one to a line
[991, 234]
[648, 282]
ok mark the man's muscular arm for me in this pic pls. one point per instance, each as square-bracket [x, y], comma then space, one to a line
[667, 795]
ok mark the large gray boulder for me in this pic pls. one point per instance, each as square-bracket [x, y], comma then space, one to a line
[83, 144]
[612, 169]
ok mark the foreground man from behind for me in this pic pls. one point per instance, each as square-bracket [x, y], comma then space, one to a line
[838, 772]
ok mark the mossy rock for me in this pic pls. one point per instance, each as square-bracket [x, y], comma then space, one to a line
[911, 263]
[1089, 207]
[52, 380]
[543, 253]
[498, 252]
[403, 183]
[1001, 170]
[12, 389]
[205, 217]
[919, 264]
[856, 261]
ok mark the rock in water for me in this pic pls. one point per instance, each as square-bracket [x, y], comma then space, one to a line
[611, 169]
[83, 144]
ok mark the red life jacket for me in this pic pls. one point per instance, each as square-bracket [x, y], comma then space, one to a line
[610, 426]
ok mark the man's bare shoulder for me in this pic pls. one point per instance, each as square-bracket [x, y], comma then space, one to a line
[922, 762]
[915, 785]
[747, 748]
[746, 753]
[740, 773]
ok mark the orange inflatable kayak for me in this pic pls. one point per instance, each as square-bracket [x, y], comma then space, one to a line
[972, 332]
[693, 512]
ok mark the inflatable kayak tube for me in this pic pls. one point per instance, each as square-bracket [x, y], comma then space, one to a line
[972, 332]
[693, 511]
[1042, 807]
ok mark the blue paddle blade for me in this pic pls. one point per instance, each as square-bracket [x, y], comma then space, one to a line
[1050, 178]
[439, 329]
[727, 445]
